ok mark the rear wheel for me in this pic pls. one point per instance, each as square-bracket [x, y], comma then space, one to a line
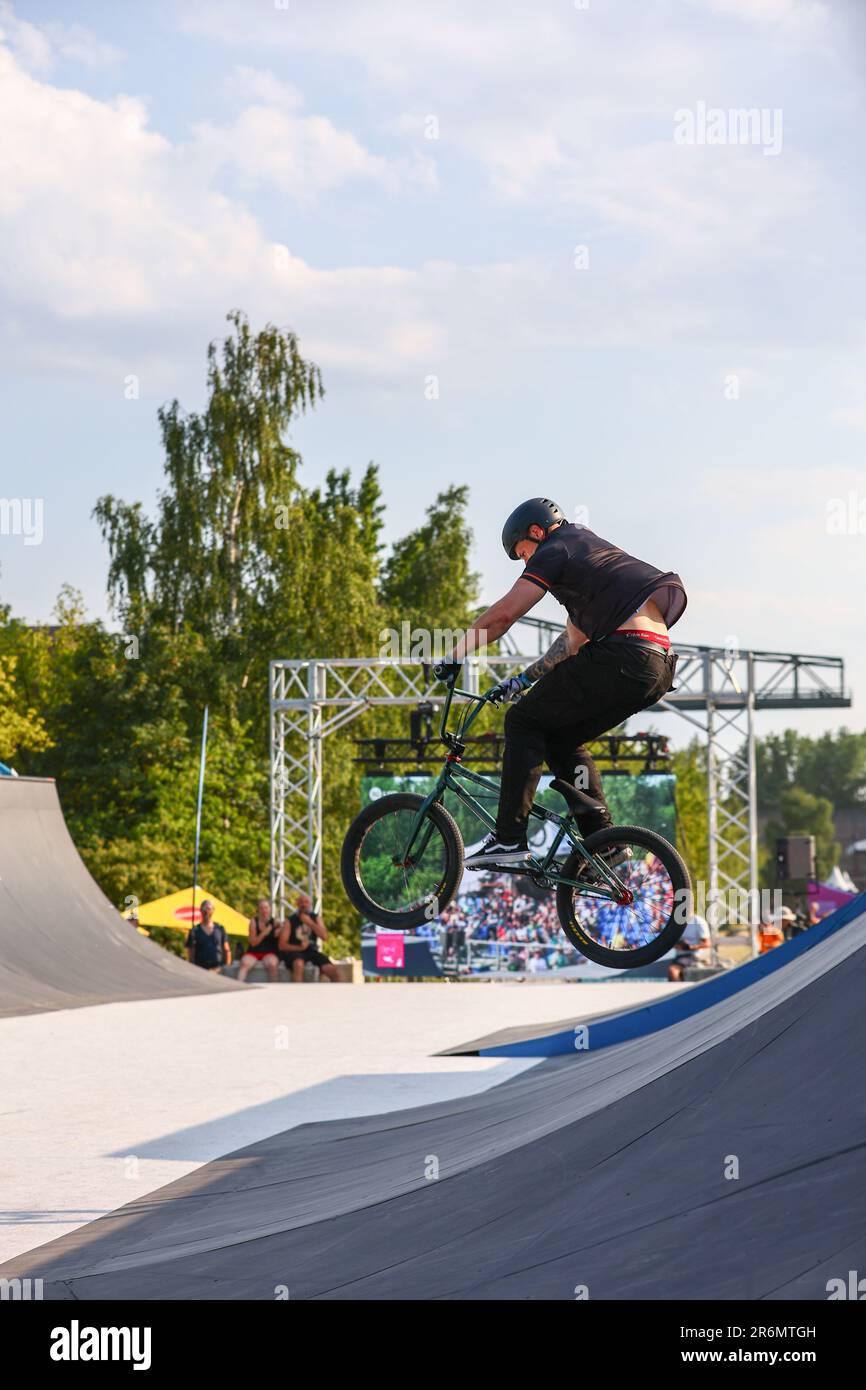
[649, 918]
[385, 884]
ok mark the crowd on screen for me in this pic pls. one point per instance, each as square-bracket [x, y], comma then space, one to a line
[499, 927]
[503, 930]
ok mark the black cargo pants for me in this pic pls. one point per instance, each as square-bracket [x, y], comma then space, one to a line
[580, 699]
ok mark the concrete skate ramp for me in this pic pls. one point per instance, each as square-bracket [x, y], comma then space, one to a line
[62, 944]
[721, 1158]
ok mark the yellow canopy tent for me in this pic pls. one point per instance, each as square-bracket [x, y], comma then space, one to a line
[177, 911]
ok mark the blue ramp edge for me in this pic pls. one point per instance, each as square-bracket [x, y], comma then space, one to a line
[636, 1023]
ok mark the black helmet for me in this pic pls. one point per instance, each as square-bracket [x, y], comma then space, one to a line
[538, 511]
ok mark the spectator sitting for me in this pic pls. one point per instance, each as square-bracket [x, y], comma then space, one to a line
[207, 944]
[263, 944]
[295, 943]
[537, 963]
[516, 960]
[695, 947]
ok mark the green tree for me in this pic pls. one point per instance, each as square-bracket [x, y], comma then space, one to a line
[226, 470]
[240, 563]
[152, 855]
[240, 553]
[831, 766]
[243, 564]
[427, 579]
[690, 769]
[22, 729]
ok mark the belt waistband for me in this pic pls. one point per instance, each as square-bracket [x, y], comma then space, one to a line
[639, 634]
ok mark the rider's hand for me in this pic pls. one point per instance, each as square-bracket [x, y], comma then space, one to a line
[510, 689]
[447, 671]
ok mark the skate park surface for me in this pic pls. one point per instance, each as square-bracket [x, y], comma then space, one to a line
[240, 1142]
[104, 1104]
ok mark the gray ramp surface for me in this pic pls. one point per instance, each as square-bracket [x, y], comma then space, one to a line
[62, 944]
[721, 1158]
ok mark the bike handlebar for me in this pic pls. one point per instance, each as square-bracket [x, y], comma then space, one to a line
[471, 714]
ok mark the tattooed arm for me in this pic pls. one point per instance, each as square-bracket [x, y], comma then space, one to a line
[566, 644]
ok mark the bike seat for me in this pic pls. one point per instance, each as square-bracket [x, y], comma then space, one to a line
[577, 800]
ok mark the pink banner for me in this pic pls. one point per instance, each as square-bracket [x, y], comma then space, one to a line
[390, 953]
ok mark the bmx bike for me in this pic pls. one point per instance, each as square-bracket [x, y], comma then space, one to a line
[622, 894]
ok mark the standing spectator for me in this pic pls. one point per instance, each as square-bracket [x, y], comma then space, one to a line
[695, 947]
[207, 944]
[297, 936]
[454, 937]
[263, 944]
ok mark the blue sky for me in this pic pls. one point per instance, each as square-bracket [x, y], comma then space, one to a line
[697, 387]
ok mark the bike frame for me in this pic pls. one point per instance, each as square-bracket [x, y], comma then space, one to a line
[454, 773]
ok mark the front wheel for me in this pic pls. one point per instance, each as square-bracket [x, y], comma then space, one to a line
[650, 916]
[392, 882]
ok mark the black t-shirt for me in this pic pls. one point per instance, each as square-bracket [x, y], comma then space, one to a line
[295, 925]
[599, 585]
[269, 941]
[208, 948]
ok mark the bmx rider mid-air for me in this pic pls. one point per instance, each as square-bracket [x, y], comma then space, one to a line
[612, 660]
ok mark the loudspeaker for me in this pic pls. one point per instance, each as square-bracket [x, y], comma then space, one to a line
[795, 858]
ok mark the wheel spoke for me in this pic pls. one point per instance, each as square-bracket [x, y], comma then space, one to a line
[386, 878]
[624, 927]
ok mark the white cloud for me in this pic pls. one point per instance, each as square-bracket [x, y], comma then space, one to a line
[802, 17]
[38, 46]
[80, 45]
[28, 42]
[560, 110]
[107, 221]
[261, 86]
[303, 157]
[110, 232]
[104, 220]
[394, 43]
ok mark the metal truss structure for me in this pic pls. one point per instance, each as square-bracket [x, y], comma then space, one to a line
[615, 754]
[719, 692]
